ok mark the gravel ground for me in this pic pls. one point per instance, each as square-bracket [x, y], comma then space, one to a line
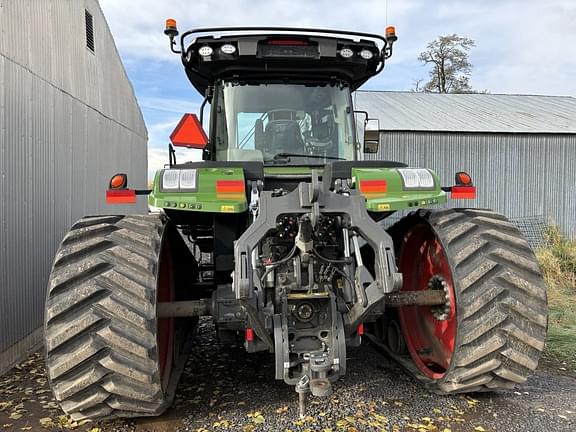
[239, 393]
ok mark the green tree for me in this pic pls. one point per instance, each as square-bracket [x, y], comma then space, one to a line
[451, 70]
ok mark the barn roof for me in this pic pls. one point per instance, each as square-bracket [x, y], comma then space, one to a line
[488, 113]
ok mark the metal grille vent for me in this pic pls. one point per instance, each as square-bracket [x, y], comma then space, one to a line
[89, 30]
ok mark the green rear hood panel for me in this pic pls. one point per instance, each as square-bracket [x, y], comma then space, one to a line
[206, 199]
[395, 197]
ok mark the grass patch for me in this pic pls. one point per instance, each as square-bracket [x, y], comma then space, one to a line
[558, 263]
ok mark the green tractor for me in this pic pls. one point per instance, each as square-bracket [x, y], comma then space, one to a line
[277, 234]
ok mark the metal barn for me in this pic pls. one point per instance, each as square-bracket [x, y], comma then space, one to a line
[519, 149]
[68, 120]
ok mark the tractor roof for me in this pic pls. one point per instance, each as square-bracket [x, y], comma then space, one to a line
[249, 54]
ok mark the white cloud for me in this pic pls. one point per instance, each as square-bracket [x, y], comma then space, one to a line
[170, 105]
[158, 158]
[522, 47]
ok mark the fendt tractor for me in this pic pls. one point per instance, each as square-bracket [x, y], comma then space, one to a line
[278, 235]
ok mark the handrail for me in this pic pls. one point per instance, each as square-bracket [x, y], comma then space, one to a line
[287, 30]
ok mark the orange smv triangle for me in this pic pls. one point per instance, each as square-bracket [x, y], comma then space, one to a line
[189, 133]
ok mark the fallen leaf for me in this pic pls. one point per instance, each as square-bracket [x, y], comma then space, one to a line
[258, 418]
[281, 410]
[479, 429]
[15, 416]
[5, 405]
[471, 403]
[46, 422]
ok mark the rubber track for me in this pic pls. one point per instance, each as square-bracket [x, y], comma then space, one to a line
[100, 323]
[501, 300]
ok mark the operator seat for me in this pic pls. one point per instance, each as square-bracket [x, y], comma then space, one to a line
[284, 136]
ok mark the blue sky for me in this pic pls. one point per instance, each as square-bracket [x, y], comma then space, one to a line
[523, 47]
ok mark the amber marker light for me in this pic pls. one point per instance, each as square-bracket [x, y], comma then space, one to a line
[118, 181]
[463, 179]
[171, 29]
[391, 33]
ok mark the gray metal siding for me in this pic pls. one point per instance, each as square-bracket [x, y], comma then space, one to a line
[407, 111]
[68, 121]
[518, 175]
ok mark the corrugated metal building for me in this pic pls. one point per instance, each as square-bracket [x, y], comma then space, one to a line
[519, 149]
[68, 121]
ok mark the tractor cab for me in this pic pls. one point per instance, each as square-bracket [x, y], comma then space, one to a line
[281, 96]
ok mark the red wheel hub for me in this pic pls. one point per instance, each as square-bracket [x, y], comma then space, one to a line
[165, 334]
[430, 335]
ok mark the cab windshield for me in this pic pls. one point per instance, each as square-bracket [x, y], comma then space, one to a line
[284, 124]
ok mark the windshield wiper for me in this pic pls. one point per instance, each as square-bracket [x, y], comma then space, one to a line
[280, 156]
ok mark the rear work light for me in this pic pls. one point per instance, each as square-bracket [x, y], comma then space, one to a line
[173, 180]
[205, 51]
[346, 53]
[366, 54]
[228, 49]
[416, 178]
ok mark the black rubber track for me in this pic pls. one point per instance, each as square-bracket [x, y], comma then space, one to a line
[500, 300]
[100, 323]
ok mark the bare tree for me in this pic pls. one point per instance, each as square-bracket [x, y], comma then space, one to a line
[417, 86]
[451, 69]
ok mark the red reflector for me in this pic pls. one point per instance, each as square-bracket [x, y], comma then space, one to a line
[249, 335]
[189, 133]
[373, 186]
[463, 192]
[229, 186]
[121, 196]
[292, 42]
[360, 329]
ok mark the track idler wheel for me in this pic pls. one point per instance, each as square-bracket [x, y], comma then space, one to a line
[490, 331]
